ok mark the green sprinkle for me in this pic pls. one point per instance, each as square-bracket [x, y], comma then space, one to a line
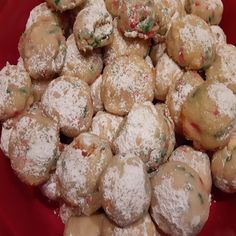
[57, 1]
[23, 91]
[147, 25]
[96, 43]
[201, 198]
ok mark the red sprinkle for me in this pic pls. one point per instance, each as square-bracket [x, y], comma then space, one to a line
[196, 127]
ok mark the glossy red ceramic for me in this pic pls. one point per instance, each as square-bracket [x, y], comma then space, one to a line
[23, 210]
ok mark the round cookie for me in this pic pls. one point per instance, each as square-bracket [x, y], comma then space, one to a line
[80, 167]
[34, 147]
[137, 18]
[209, 10]
[125, 189]
[63, 5]
[43, 49]
[190, 43]
[15, 90]
[113, 6]
[197, 160]
[166, 72]
[122, 45]
[179, 92]
[38, 89]
[208, 115]
[106, 125]
[223, 167]
[96, 94]
[223, 69]
[144, 133]
[142, 227]
[128, 80]
[84, 225]
[93, 28]
[40, 12]
[180, 204]
[68, 100]
[86, 66]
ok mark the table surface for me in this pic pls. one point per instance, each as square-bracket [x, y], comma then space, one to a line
[23, 210]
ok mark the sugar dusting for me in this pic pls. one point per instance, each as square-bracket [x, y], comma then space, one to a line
[126, 189]
[141, 134]
[36, 145]
[224, 99]
[69, 101]
[173, 205]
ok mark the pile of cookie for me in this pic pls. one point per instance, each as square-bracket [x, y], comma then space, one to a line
[123, 111]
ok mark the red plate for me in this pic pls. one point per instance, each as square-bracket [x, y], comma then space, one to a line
[23, 211]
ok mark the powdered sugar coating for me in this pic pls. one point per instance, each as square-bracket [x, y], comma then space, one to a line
[81, 165]
[93, 28]
[197, 160]
[68, 100]
[34, 148]
[15, 90]
[143, 134]
[126, 81]
[125, 189]
[106, 125]
[40, 11]
[96, 94]
[224, 99]
[85, 66]
[180, 205]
